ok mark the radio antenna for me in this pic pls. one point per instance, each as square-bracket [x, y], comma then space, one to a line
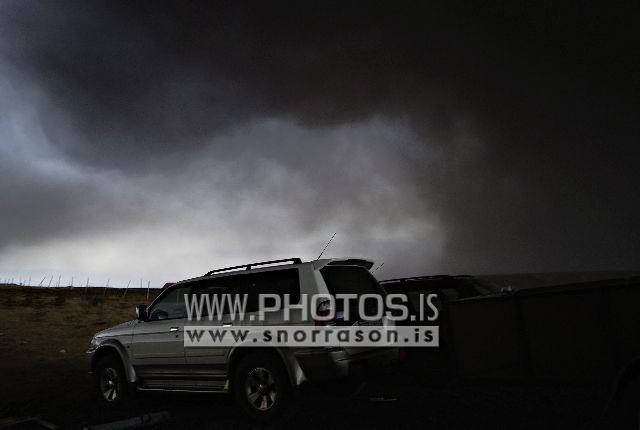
[378, 267]
[325, 247]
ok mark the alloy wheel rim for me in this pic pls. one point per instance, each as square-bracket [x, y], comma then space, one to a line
[261, 389]
[110, 384]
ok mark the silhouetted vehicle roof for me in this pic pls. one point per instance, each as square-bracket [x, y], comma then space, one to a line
[451, 287]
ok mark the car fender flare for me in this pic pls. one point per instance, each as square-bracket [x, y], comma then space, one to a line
[110, 346]
[296, 376]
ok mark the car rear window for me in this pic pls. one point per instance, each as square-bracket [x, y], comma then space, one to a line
[351, 280]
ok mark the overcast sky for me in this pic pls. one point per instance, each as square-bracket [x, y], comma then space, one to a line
[157, 141]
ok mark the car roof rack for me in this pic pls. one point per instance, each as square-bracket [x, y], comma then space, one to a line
[416, 278]
[425, 278]
[249, 266]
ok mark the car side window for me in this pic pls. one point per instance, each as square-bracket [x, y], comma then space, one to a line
[238, 288]
[214, 288]
[278, 282]
[171, 305]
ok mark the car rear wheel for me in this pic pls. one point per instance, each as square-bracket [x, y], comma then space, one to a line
[261, 386]
[111, 381]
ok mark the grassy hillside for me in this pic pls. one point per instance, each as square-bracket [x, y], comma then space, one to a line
[44, 333]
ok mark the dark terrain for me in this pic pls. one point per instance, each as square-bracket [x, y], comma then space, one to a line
[44, 333]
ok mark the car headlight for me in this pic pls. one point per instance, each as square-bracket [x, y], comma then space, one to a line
[94, 343]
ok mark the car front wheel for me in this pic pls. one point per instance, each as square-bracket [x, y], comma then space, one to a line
[110, 381]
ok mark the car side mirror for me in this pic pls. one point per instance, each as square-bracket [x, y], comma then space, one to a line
[141, 312]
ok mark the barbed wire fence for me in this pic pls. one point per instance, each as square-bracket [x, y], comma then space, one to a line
[88, 287]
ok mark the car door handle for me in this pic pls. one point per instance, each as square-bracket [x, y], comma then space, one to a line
[173, 329]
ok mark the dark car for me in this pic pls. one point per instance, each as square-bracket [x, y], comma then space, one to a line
[583, 334]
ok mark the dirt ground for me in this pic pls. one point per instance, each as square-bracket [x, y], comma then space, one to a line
[45, 332]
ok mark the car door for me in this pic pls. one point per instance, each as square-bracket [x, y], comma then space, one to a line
[158, 342]
[205, 358]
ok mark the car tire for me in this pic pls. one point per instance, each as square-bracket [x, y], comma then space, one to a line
[110, 381]
[261, 386]
[627, 406]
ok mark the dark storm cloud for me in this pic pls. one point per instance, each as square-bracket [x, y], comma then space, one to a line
[528, 115]
[155, 77]
[56, 206]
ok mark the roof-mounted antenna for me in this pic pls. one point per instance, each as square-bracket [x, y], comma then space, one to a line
[381, 264]
[325, 247]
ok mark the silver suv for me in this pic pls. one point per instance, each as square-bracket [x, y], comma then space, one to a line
[149, 353]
